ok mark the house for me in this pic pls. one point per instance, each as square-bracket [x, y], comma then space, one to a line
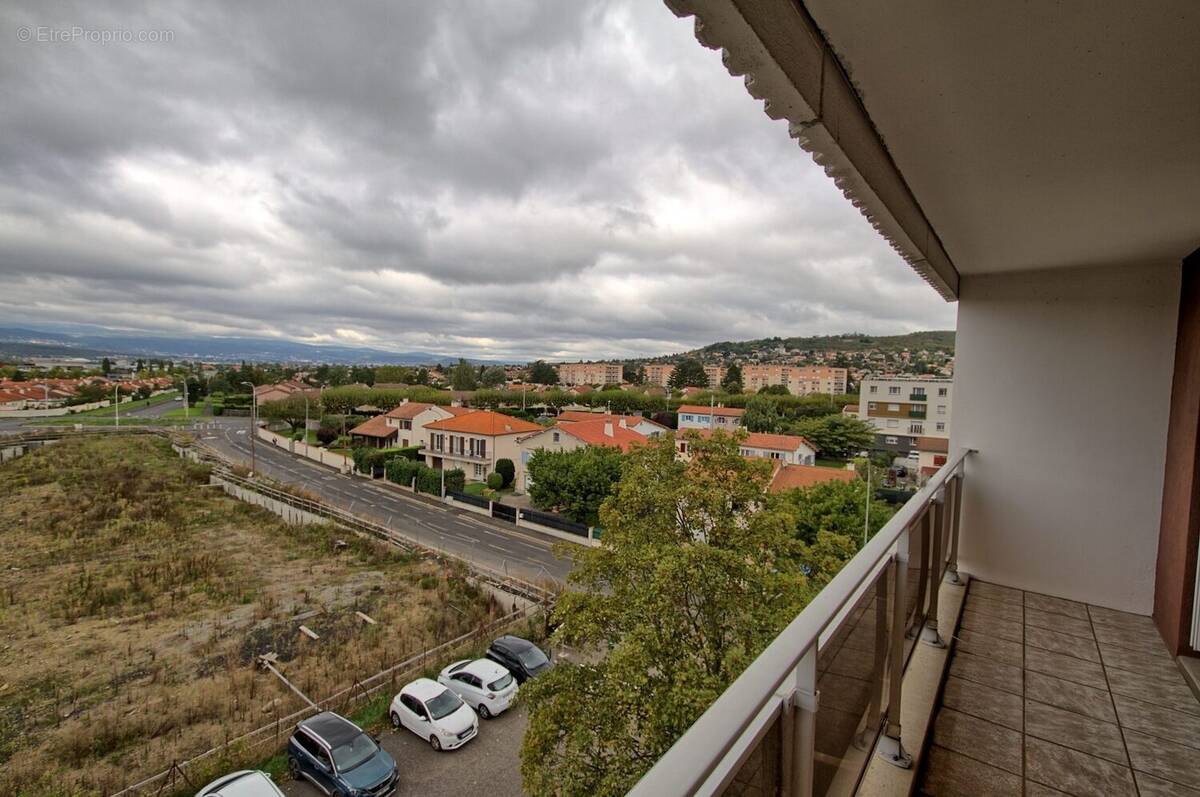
[906, 409]
[638, 423]
[1038, 167]
[693, 416]
[408, 418]
[282, 390]
[788, 449]
[474, 441]
[793, 477]
[572, 435]
[374, 433]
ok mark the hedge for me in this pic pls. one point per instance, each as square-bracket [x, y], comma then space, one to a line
[507, 471]
[429, 480]
[495, 480]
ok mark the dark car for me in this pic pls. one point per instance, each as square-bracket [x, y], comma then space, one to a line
[520, 656]
[340, 758]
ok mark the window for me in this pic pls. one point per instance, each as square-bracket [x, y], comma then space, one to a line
[745, 452]
[525, 457]
[893, 408]
[941, 409]
[413, 705]
[891, 441]
[893, 423]
[478, 471]
[871, 405]
[941, 391]
[916, 428]
[556, 437]
[775, 454]
[874, 389]
[941, 426]
[894, 391]
[308, 744]
[918, 391]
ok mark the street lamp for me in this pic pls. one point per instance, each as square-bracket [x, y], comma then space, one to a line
[253, 423]
[117, 405]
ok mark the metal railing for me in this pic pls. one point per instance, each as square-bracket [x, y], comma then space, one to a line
[807, 713]
[917, 397]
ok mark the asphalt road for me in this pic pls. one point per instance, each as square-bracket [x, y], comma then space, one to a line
[488, 765]
[495, 544]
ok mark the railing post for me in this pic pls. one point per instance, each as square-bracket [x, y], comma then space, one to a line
[929, 634]
[799, 720]
[890, 747]
[956, 490]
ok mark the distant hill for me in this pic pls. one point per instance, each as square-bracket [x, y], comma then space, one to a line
[852, 342]
[17, 342]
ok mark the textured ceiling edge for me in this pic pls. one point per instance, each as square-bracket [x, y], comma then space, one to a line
[720, 25]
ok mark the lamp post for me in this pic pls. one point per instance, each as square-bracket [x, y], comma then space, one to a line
[117, 405]
[253, 424]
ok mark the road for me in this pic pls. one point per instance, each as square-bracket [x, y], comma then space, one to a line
[495, 544]
[488, 764]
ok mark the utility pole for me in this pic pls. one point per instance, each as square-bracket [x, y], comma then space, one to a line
[867, 512]
[117, 405]
[185, 399]
[253, 425]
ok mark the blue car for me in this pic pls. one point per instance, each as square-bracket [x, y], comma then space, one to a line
[340, 758]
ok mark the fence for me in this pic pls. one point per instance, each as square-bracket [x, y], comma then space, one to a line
[473, 500]
[555, 522]
[504, 512]
[315, 453]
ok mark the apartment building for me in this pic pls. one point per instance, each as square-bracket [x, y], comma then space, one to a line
[474, 441]
[659, 374]
[696, 416]
[715, 374]
[571, 374]
[800, 380]
[1029, 621]
[911, 416]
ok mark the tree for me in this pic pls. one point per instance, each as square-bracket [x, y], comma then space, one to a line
[633, 373]
[462, 376]
[689, 373]
[732, 383]
[507, 471]
[290, 410]
[762, 415]
[106, 366]
[697, 572]
[542, 373]
[774, 390]
[835, 435]
[574, 483]
[492, 376]
[836, 507]
[363, 375]
[487, 399]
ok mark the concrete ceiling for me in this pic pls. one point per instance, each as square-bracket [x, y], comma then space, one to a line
[1035, 134]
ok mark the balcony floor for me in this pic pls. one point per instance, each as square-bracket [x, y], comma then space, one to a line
[1047, 696]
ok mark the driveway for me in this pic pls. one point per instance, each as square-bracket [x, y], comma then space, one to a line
[487, 765]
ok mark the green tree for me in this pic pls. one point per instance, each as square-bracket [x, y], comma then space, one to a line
[732, 383]
[363, 375]
[289, 410]
[492, 376]
[574, 483]
[487, 399]
[762, 415]
[774, 390]
[835, 435]
[633, 373]
[836, 507]
[689, 373]
[542, 373]
[106, 366]
[462, 376]
[507, 470]
[698, 571]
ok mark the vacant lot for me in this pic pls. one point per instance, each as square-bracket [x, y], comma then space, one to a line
[134, 600]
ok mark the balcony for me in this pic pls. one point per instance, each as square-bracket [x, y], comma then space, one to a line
[917, 397]
[916, 412]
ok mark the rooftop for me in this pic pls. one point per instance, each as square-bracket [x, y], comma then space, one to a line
[484, 422]
[792, 477]
[697, 409]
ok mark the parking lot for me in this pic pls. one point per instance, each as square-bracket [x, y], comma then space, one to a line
[488, 764]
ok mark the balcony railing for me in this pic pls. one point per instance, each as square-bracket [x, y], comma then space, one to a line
[850, 646]
[918, 397]
[916, 412]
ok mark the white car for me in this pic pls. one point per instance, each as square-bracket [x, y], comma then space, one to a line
[247, 783]
[434, 713]
[483, 684]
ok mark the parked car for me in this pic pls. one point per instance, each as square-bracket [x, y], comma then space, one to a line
[340, 758]
[519, 656]
[434, 713]
[247, 783]
[483, 685]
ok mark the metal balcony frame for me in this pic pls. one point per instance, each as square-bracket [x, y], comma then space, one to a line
[782, 680]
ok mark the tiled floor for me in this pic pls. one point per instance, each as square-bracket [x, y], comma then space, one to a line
[1046, 696]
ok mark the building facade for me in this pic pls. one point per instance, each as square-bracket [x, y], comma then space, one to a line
[659, 374]
[694, 416]
[571, 374]
[911, 416]
[800, 380]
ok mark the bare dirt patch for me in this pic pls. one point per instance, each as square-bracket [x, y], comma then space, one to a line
[134, 600]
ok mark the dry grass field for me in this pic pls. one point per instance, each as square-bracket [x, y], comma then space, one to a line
[134, 600]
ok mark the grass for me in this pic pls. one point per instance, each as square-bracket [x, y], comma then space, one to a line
[830, 463]
[200, 409]
[153, 594]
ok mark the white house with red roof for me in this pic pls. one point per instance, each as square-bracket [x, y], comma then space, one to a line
[408, 418]
[637, 423]
[610, 431]
[788, 449]
[696, 416]
[474, 441]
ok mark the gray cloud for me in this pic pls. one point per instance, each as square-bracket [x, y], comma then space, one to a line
[507, 179]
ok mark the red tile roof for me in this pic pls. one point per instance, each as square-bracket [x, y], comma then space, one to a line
[772, 442]
[484, 422]
[374, 427]
[596, 433]
[791, 477]
[701, 410]
[572, 416]
[408, 409]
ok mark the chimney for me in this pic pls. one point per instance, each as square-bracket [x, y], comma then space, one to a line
[608, 429]
[623, 424]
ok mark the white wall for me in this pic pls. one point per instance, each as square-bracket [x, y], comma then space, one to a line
[1063, 384]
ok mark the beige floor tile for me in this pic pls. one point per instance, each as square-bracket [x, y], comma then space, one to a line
[980, 644]
[1065, 644]
[1150, 643]
[1066, 728]
[968, 735]
[993, 626]
[1033, 789]
[1158, 664]
[995, 608]
[1074, 772]
[1058, 622]
[984, 589]
[1047, 603]
[1166, 692]
[981, 669]
[949, 774]
[1150, 786]
[993, 705]
[1164, 759]
[1094, 703]
[1069, 668]
[1159, 721]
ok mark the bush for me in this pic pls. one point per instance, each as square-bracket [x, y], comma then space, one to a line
[429, 481]
[507, 471]
[401, 470]
[217, 409]
[326, 435]
[408, 452]
[456, 480]
[494, 480]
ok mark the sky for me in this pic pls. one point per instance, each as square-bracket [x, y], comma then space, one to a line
[504, 179]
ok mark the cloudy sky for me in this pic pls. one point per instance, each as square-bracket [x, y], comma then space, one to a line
[494, 179]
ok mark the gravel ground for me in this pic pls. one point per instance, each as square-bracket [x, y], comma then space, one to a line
[487, 765]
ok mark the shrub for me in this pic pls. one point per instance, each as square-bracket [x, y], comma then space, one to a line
[456, 480]
[326, 435]
[429, 481]
[507, 471]
[408, 452]
[402, 470]
[217, 408]
[495, 481]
